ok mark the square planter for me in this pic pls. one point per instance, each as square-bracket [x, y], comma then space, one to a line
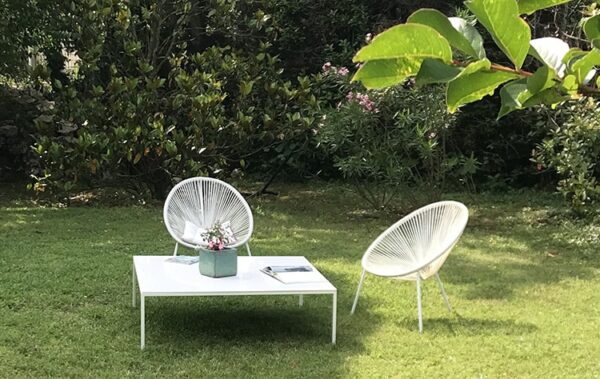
[218, 264]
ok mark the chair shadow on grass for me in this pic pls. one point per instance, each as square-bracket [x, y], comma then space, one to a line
[456, 325]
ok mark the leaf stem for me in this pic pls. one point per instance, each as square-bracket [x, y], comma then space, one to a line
[583, 89]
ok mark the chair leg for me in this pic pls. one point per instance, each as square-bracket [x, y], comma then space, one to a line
[437, 276]
[360, 283]
[420, 312]
[248, 248]
[176, 247]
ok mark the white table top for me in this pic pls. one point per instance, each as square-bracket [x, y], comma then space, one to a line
[156, 277]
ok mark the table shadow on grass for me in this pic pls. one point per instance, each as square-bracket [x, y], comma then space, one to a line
[260, 326]
[218, 325]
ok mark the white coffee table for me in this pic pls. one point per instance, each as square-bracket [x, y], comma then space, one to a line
[157, 277]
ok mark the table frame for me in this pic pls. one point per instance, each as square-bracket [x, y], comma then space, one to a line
[300, 294]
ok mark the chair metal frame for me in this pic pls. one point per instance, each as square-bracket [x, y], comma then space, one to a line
[416, 247]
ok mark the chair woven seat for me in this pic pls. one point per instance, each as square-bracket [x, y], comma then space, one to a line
[417, 246]
[203, 202]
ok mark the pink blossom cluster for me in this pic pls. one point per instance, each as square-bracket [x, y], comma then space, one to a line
[363, 100]
[219, 235]
[328, 68]
[216, 245]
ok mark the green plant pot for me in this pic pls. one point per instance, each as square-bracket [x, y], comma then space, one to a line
[218, 264]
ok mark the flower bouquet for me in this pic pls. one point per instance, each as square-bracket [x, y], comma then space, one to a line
[218, 259]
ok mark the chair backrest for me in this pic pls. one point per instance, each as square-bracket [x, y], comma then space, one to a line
[419, 243]
[204, 201]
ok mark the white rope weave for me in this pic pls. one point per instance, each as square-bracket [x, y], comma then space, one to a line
[205, 201]
[418, 243]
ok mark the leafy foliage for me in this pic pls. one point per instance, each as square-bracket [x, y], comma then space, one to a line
[573, 151]
[386, 140]
[143, 111]
[399, 50]
[18, 109]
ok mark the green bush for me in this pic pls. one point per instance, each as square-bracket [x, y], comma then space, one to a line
[143, 111]
[384, 140]
[18, 109]
[573, 151]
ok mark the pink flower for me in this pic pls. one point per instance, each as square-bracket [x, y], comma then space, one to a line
[221, 245]
[326, 67]
[350, 96]
[343, 71]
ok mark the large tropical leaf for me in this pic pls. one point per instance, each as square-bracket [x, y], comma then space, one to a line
[543, 78]
[386, 72]
[413, 41]
[436, 71]
[530, 6]
[474, 83]
[502, 21]
[551, 52]
[470, 33]
[512, 96]
[515, 95]
[462, 37]
[583, 67]
[592, 27]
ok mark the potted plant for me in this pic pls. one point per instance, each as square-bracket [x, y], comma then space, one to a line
[217, 260]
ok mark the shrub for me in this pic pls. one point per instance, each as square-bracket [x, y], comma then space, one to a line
[385, 140]
[143, 111]
[573, 151]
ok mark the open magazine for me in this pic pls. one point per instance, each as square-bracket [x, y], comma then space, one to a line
[185, 259]
[292, 274]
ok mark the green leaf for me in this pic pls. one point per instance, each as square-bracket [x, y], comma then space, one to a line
[412, 41]
[457, 38]
[591, 27]
[569, 84]
[530, 6]
[512, 96]
[543, 78]
[583, 66]
[502, 21]
[483, 64]
[386, 72]
[516, 95]
[472, 87]
[436, 71]
[549, 96]
[470, 33]
[551, 52]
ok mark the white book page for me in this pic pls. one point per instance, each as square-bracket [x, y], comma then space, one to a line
[299, 277]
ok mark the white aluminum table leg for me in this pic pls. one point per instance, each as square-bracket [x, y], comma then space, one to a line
[360, 283]
[301, 300]
[142, 323]
[419, 303]
[334, 318]
[437, 276]
[176, 247]
[133, 285]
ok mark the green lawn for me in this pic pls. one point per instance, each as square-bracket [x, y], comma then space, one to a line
[524, 284]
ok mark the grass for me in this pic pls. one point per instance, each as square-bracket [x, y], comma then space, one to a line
[524, 284]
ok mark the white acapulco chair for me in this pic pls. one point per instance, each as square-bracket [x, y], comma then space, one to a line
[204, 201]
[416, 247]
